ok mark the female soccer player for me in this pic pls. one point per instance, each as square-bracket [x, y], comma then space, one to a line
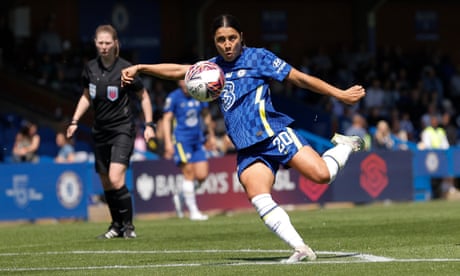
[185, 144]
[114, 129]
[261, 135]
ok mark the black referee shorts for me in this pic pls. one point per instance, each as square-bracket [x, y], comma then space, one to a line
[118, 150]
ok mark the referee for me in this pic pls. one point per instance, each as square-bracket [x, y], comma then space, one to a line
[113, 127]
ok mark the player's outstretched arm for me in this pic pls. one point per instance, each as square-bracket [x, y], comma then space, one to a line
[168, 71]
[349, 96]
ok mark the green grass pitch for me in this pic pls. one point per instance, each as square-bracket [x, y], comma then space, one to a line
[412, 238]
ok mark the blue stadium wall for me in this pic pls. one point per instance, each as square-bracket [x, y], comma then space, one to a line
[48, 190]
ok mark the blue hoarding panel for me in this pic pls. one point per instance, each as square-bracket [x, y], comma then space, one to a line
[455, 155]
[34, 191]
[431, 163]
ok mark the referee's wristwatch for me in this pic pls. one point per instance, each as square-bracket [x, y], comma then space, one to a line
[152, 125]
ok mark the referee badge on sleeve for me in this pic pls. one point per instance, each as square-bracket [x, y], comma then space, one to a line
[112, 93]
[92, 90]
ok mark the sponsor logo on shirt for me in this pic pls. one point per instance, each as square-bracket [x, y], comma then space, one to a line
[279, 64]
[241, 73]
[228, 95]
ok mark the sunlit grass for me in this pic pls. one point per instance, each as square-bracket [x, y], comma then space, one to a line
[417, 238]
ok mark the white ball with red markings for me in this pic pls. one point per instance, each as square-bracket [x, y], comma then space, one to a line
[205, 81]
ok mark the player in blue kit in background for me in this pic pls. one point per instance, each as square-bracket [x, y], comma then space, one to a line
[189, 118]
[261, 135]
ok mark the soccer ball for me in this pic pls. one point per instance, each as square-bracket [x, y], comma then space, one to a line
[204, 81]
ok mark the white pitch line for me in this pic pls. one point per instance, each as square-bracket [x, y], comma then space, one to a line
[76, 252]
[205, 264]
[372, 258]
[355, 258]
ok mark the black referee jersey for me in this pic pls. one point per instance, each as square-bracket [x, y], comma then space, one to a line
[110, 101]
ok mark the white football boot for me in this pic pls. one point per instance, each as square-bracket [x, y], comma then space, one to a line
[355, 142]
[300, 254]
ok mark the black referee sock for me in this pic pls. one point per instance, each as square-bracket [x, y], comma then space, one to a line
[124, 205]
[110, 197]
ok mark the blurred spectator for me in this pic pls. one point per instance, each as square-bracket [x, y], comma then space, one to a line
[382, 139]
[431, 111]
[26, 144]
[374, 100]
[399, 135]
[344, 59]
[66, 152]
[359, 127]
[362, 56]
[225, 145]
[450, 128]
[434, 135]
[374, 115]
[405, 123]
[454, 86]
[321, 62]
[337, 108]
[432, 84]
[298, 93]
[140, 146]
[158, 95]
[415, 107]
[390, 95]
[49, 50]
[402, 81]
[374, 95]
[49, 41]
[47, 70]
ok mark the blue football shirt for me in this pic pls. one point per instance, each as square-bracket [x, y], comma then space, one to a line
[245, 101]
[188, 124]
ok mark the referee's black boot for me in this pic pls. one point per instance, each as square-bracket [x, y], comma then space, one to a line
[128, 231]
